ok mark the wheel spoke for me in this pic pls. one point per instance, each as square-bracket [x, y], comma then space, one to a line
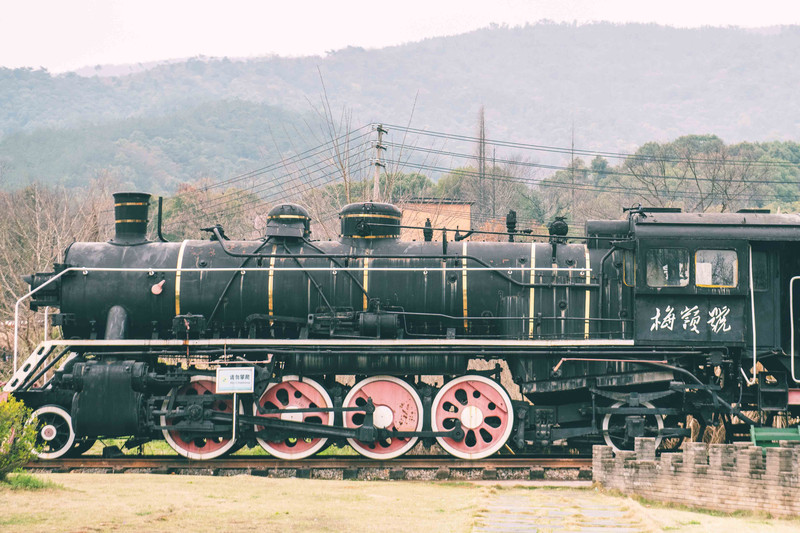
[484, 409]
[201, 447]
[55, 433]
[294, 393]
[478, 398]
[397, 407]
[614, 431]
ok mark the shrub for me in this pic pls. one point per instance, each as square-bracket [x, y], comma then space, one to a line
[17, 436]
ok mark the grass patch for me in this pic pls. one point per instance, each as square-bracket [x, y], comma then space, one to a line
[565, 488]
[160, 447]
[25, 481]
[19, 520]
[681, 525]
[455, 484]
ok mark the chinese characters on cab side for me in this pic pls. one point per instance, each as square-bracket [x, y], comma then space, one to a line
[690, 319]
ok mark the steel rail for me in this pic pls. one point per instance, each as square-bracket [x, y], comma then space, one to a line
[259, 462]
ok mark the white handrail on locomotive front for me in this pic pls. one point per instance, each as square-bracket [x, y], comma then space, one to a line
[25, 297]
[86, 270]
[791, 323]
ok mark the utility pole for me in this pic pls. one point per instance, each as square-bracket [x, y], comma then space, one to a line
[376, 188]
[572, 176]
[482, 167]
[494, 183]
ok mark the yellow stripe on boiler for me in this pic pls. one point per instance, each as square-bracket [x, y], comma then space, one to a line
[464, 284]
[178, 279]
[271, 281]
[588, 299]
[366, 281]
[532, 297]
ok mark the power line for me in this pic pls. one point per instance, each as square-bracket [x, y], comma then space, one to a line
[315, 183]
[293, 159]
[567, 151]
[605, 172]
[584, 187]
[260, 172]
[267, 185]
[293, 175]
[261, 185]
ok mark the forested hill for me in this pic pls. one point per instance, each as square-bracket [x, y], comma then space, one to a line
[618, 86]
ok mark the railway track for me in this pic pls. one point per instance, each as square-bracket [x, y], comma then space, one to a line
[334, 467]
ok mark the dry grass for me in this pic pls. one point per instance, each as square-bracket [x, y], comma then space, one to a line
[131, 502]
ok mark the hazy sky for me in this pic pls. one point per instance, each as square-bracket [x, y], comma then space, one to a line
[66, 34]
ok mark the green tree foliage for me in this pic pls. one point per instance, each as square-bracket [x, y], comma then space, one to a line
[454, 184]
[406, 186]
[17, 436]
[599, 167]
[702, 173]
[693, 172]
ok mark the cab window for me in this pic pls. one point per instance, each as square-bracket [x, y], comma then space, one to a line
[667, 267]
[716, 268]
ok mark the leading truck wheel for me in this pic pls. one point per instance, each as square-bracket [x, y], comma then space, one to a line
[54, 435]
[397, 407]
[291, 394]
[615, 432]
[484, 409]
[200, 448]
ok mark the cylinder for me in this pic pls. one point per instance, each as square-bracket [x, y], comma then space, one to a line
[130, 215]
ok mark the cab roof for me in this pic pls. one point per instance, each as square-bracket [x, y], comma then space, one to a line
[749, 226]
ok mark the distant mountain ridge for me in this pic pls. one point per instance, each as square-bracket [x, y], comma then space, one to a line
[615, 86]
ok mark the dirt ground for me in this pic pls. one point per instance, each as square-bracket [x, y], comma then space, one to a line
[131, 502]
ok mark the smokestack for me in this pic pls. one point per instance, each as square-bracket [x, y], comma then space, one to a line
[130, 215]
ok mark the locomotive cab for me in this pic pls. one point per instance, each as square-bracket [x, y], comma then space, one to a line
[709, 278]
[722, 283]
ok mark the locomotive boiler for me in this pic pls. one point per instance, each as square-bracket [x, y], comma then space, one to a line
[370, 340]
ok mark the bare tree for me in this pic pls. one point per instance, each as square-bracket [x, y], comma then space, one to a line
[338, 133]
[722, 180]
[695, 173]
[659, 182]
[36, 226]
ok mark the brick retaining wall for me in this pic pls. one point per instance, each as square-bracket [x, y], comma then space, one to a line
[725, 477]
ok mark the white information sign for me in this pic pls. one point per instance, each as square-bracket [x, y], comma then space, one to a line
[235, 380]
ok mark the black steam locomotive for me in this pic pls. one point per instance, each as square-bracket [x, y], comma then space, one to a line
[643, 321]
